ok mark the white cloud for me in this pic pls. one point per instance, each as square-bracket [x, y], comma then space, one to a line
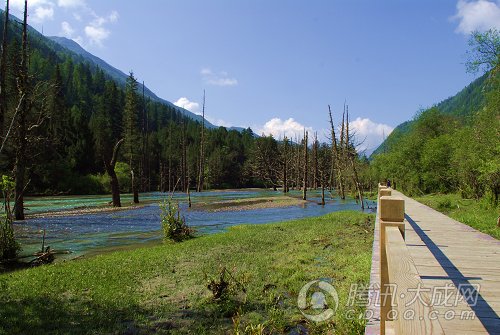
[19, 4]
[281, 128]
[71, 3]
[478, 15]
[38, 10]
[96, 34]
[221, 78]
[67, 30]
[43, 13]
[218, 122]
[96, 31]
[113, 17]
[194, 107]
[205, 72]
[185, 103]
[370, 133]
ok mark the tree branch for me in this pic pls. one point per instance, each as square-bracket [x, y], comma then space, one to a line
[115, 153]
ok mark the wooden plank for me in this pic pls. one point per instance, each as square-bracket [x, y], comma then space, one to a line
[455, 253]
[403, 273]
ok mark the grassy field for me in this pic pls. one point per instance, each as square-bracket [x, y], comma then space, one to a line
[480, 215]
[164, 289]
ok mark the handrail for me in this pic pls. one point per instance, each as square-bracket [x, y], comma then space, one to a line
[404, 307]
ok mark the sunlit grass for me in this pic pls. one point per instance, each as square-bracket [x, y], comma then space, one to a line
[163, 289]
[478, 214]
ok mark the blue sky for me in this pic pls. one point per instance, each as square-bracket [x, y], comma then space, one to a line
[275, 65]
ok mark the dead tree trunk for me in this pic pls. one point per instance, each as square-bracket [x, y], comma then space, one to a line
[297, 164]
[304, 190]
[315, 161]
[169, 155]
[110, 169]
[161, 176]
[336, 164]
[342, 158]
[21, 145]
[188, 191]
[350, 156]
[285, 165]
[135, 191]
[3, 69]
[201, 172]
[322, 189]
[183, 157]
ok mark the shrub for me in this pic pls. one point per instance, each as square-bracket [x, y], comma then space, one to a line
[444, 205]
[8, 245]
[173, 225]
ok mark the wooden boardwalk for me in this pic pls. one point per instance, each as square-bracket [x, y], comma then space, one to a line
[459, 268]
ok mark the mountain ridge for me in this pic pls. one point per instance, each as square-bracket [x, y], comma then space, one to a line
[119, 76]
[461, 105]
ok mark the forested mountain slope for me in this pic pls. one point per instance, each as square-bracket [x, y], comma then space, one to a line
[451, 147]
[118, 76]
[463, 105]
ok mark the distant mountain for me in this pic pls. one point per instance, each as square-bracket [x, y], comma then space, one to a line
[462, 105]
[116, 74]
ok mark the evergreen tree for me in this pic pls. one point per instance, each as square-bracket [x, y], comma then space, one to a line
[131, 131]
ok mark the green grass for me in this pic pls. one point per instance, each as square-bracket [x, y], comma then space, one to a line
[478, 214]
[163, 289]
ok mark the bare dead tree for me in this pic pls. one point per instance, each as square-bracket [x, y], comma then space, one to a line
[297, 164]
[145, 170]
[315, 161]
[285, 165]
[304, 190]
[342, 157]
[183, 157]
[21, 125]
[110, 170]
[336, 166]
[350, 153]
[188, 188]
[3, 69]
[12, 121]
[322, 188]
[170, 155]
[201, 171]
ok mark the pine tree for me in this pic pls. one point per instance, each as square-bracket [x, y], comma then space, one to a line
[131, 131]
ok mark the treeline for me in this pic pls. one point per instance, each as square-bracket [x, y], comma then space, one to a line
[453, 152]
[301, 164]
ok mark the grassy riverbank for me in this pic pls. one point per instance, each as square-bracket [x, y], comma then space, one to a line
[478, 214]
[164, 289]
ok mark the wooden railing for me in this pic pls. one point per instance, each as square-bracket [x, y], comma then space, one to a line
[401, 310]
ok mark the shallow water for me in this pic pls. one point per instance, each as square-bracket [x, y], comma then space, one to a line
[100, 232]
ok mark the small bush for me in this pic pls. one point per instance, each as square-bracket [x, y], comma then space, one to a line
[173, 225]
[228, 293]
[8, 245]
[444, 204]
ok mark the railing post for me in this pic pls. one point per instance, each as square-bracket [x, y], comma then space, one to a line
[384, 192]
[391, 214]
